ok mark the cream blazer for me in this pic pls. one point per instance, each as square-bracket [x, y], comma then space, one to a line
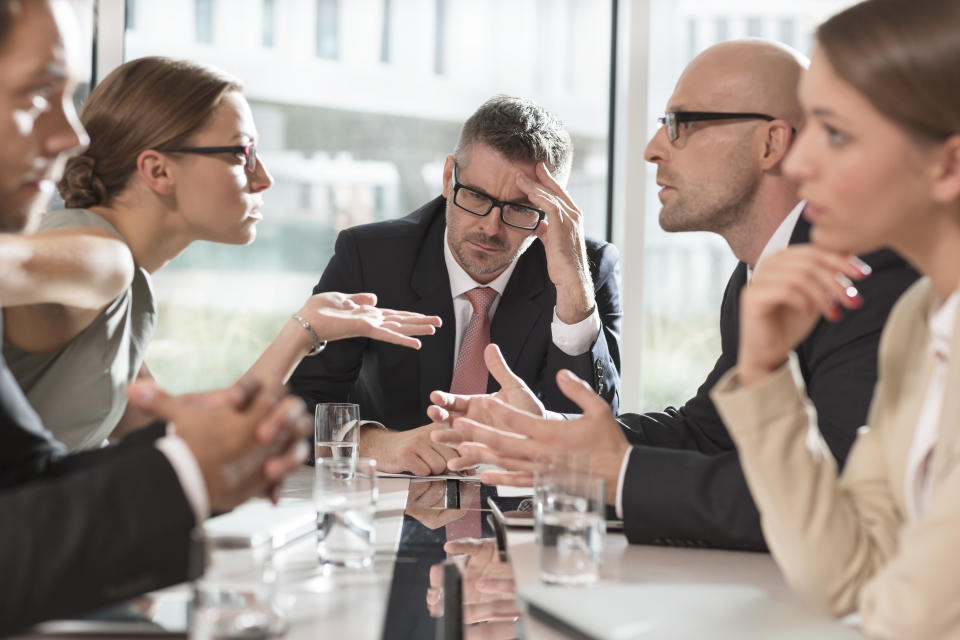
[844, 543]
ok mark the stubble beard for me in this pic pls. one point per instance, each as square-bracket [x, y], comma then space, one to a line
[708, 210]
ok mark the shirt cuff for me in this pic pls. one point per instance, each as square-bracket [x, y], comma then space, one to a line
[575, 339]
[623, 474]
[188, 472]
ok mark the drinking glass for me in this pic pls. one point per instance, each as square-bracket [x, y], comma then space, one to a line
[236, 596]
[569, 517]
[335, 430]
[345, 496]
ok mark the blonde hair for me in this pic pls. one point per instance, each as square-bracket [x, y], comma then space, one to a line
[144, 104]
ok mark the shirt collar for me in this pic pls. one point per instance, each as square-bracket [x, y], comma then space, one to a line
[461, 281]
[780, 239]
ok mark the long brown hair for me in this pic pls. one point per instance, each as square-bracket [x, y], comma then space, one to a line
[904, 57]
[143, 104]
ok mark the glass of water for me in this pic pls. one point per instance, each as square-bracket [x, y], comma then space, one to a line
[571, 526]
[345, 496]
[336, 426]
[236, 597]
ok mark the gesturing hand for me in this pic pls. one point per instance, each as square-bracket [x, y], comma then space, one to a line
[335, 316]
[513, 438]
[447, 407]
[789, 292]
[564, 241]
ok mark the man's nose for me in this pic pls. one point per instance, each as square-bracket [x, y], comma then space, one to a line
[658, 148]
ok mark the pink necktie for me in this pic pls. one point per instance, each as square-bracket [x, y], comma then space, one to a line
[470, 377]
[470, 374]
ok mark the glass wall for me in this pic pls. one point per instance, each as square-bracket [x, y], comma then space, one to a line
[357, 103]
[685, 273]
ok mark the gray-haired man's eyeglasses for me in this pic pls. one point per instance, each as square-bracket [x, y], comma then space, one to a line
[673, 119]
[481, 204]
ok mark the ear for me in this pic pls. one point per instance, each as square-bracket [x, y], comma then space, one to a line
[448, 177]
[946, 184]
[154, 169]
[776, 145]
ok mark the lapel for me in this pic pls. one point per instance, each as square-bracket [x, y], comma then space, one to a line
[947, 450]
[730, 308]
[519, 312]
[730, 312]
[431, 284]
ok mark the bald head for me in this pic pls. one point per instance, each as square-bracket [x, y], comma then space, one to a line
[743, 75]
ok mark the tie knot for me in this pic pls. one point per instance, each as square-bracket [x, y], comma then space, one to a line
[481, 298]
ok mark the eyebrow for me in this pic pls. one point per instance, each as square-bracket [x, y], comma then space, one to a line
[824, 112]
[523, 202]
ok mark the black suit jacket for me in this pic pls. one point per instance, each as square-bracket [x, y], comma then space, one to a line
[684, 485]
[402, 262]
[81, 531]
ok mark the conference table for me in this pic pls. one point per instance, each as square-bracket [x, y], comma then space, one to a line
[680, 592]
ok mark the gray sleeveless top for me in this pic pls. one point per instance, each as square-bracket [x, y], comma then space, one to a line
[78, 390]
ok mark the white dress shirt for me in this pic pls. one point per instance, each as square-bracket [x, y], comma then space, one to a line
[778, 240]
[918, 480]
[572, 339]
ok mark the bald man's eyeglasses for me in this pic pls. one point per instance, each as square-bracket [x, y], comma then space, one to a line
[673, 119]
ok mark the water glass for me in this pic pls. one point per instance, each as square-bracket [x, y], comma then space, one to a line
[345, 496]
[569, 516]
[336, 430]
[236, 596]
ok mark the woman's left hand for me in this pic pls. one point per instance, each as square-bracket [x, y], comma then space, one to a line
[335, 316]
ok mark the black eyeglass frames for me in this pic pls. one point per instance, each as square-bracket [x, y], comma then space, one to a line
[480, 204]
[248, 150]
[673, 119]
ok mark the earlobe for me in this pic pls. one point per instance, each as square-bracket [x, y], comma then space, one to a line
[155, 170]
[946, 186]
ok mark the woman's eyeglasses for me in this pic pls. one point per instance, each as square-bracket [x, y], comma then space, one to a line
[248, 150]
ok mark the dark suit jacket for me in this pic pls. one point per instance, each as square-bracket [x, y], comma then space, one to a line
[81, 531]
[684, 485]
[402, 262]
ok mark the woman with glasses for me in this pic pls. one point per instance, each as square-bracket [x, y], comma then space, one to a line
[172, 159]
[879, 163]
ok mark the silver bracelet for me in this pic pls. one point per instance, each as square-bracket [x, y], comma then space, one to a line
[318, 344]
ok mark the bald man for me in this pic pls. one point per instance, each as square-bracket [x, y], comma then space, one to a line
[673, 476]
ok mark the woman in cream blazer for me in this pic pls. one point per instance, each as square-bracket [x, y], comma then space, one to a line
[879, 163]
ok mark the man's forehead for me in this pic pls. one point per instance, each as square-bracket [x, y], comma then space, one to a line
[43, 41]
[699, 89]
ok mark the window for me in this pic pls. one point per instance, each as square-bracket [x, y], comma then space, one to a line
[386, 26]
[130, 14]
[328, 29]
[203, 20]
[754, 27]
[269, 22]
[350, 140]
[440, 38]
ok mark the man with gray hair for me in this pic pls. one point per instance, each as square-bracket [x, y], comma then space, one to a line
[470, 256]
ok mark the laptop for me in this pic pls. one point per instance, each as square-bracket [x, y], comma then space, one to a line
[678, 612]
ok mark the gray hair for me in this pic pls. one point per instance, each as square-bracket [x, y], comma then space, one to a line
[520, 130]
